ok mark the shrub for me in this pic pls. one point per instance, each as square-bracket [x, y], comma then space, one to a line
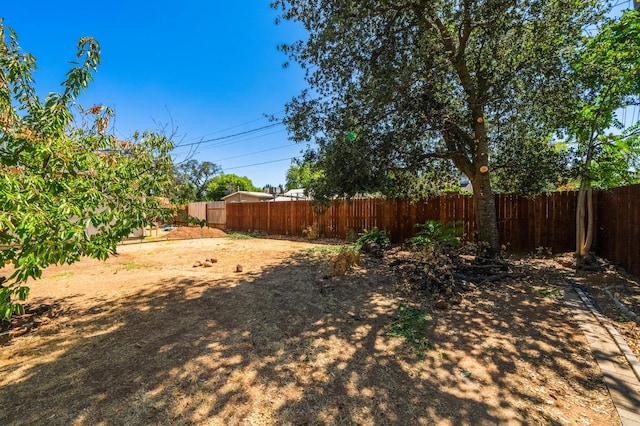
[375, 235]
[311, 232]
[347, 257]
[195, 221]
[433, 231]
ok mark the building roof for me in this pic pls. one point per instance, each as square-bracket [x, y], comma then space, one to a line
[259, 195]
[293, 194]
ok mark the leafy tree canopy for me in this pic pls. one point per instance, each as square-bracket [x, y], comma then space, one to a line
[400, 85]
[608, 75]
[528, 166]
[226, 184]
[192, 179]
[302, 175]
[58, 177]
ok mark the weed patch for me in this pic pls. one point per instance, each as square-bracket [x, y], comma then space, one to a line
[326, 250]
[547, 293]
[129, 266]
[411, 325]
[238, 236]
[61, 275]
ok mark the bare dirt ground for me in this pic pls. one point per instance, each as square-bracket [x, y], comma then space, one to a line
[147, 338]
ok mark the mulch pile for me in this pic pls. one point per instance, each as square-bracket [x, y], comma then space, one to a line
[189, 232]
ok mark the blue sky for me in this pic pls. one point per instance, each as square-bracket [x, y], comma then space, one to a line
[206, 68]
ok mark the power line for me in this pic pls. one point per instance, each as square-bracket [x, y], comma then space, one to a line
[255, 152]
[230, 136]
[239, 125]
[220, 145]
[212, 147]
[258, 164]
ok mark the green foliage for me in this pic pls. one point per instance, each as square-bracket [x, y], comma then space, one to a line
[529, 166]
[239, 236]
[433, 231]
[129, 266]
[247, 236]
[226, 184]
[547, 293]
[403, 88]
[57, 177]
[195, 221]
[411, 325]
[302, 176]
[608, 75]
[374, 235]
[191, 181]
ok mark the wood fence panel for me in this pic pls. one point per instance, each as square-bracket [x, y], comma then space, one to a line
[198, 210]
[469, 226]
[521, 223]
[277, 218]
[618, 227]
[565, 222]
[524, 223]
[633, 235]
[216, 214]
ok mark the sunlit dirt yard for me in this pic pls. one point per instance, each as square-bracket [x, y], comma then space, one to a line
[147, 338]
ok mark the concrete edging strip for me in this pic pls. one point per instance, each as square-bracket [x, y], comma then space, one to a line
[607, 345]
[620, 342]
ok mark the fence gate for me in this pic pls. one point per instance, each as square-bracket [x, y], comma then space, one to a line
[217, 214]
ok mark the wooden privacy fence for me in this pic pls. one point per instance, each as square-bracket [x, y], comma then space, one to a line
[525, 224]
[198, 210]
[216, 214]
[213, 212]
[618, 226]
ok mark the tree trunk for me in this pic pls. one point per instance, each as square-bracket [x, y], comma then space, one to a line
[584, 220]
[584, 208]
[485, 214]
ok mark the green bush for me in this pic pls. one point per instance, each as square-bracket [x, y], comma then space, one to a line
[375, 235]
[433, 231]
[195, 221]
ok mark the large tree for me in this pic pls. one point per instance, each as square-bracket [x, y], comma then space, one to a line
[302, 175]
[226, 184]
[57, 178]
[416, 81]
[608, 75]
[192, 179]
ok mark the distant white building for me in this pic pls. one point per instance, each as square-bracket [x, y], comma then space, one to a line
[247, 197]
[293, 195]
[465, 185]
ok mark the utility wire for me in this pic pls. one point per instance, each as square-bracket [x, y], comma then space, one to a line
[238, 125]
[230, 136]
[258, 164]
[255, 152]
[220, 145]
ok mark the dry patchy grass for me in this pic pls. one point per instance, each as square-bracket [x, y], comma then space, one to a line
[284, 343]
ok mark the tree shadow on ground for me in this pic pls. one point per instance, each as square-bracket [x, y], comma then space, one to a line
[287, 346]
